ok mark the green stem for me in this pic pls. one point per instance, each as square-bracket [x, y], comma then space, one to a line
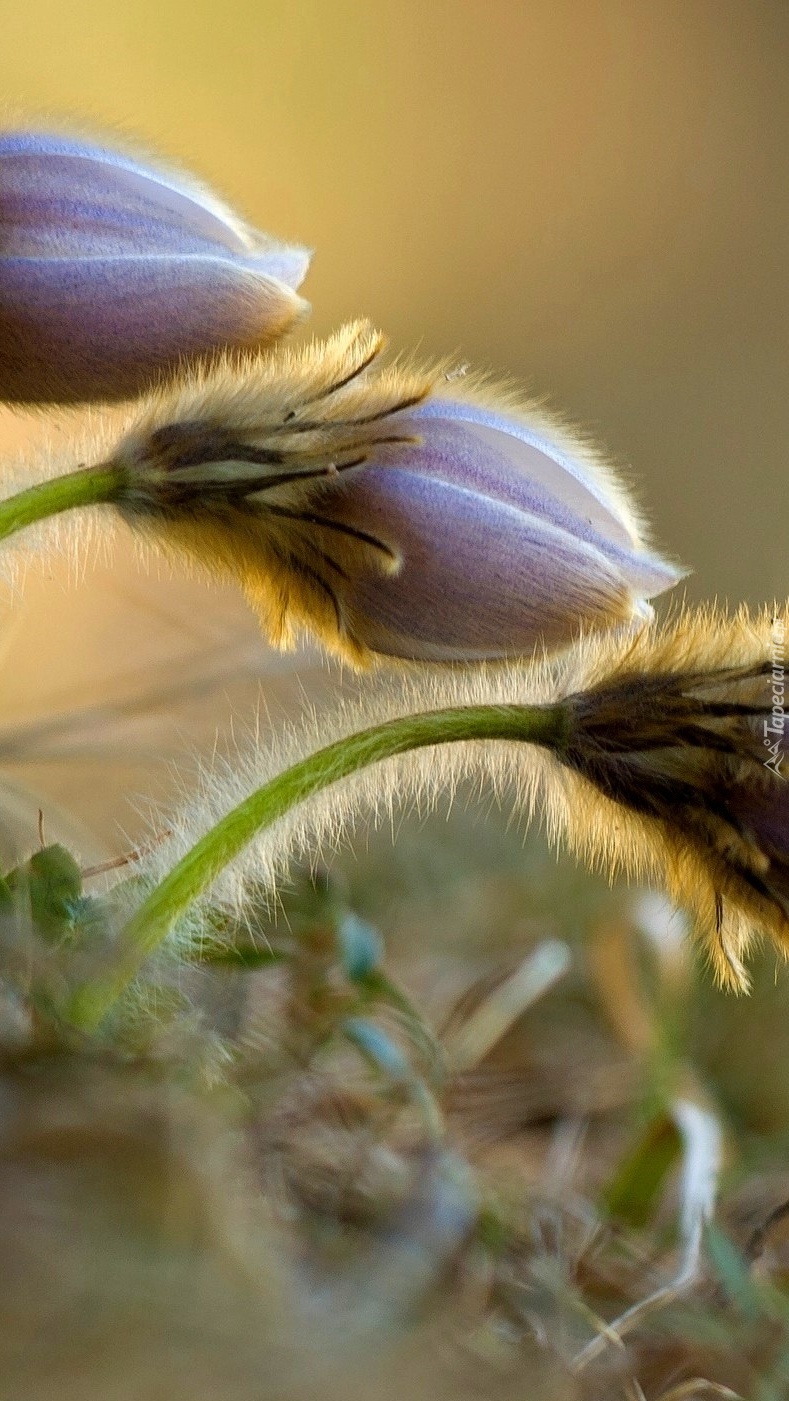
[145, 931]
[88, 486]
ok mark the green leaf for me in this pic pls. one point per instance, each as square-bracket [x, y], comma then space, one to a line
[379, 988]
[249, 956]
[631, 1195]
[47, 889]
[733, 1273]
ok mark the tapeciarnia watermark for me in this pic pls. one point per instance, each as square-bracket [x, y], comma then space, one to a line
[775, 725]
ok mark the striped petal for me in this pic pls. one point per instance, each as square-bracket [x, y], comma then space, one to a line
[103, 327]
[107, 266]
[479, 576]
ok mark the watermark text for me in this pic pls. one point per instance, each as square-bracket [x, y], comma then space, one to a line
[775, 723]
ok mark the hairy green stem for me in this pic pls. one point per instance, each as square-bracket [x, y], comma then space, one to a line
[150, 925]
[88, 486]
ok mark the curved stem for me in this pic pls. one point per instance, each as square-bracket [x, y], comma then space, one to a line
[88, 486]
[150, 925]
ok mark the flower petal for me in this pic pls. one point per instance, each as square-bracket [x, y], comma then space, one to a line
[478, 577]
[509, 451]
[105, 327]
[62, 198]
[495, 464]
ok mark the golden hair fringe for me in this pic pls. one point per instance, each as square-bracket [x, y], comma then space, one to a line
[230, 468]
[669, 776]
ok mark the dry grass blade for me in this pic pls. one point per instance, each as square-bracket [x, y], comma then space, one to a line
[486, 1026]
[702, 1142]
[697, 1389]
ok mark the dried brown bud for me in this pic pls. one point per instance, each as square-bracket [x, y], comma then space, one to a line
[681, 746]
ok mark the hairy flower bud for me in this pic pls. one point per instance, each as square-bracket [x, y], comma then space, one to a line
[661, 756]
[387, 510]
[114, 272]
[510, 537]
[681, 747]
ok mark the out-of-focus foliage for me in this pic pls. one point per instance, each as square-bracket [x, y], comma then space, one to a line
[425, 1183]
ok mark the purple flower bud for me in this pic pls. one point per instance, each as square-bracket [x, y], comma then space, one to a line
[385, 511]
[505, 540]
[112, 272]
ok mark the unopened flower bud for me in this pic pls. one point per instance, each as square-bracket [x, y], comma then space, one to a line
[680, 742]
[113, 273]
[660, 756]
[509, 537]
[387, 510]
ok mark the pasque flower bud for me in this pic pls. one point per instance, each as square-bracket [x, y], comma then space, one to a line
[387, 510]
[510, 536]
[660, 756]
[113, 272]
[680, 745]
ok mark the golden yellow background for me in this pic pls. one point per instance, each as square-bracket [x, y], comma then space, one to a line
[592, 195]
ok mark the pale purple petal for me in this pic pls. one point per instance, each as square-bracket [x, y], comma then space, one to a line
[493, 463]
[287, 261]
[84, 203]
[112, 272]
[102, 327]
[521, 451]
[61, 198]
[479, 577]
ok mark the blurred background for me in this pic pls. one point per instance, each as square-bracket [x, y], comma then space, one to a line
[589, 195]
